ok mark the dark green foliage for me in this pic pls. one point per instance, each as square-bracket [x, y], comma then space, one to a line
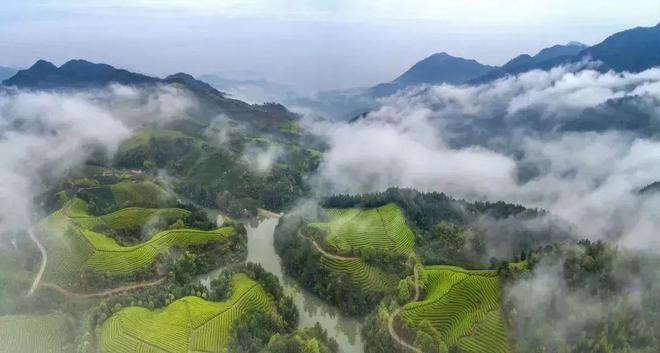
[621, 285]
[424, 210]
[286, 309]
[303, 341]
[252, 331]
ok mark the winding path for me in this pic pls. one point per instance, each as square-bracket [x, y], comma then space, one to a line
[390, 321]
[318, 248]
[105, 293]
[44, 259]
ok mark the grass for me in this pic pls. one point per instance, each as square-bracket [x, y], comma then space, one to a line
[72, 246]
[383, 228]
[462, 307]
[190, 324]
[35, 333]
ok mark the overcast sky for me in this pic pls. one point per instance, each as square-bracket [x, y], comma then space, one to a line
[315, 44]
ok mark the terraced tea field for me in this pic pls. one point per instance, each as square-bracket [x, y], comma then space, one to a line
[34, 333]
[462, 306]
[128, 194]
[366, 276]
[190, 324]
[382, 228]
[71, 246]
[130, 218]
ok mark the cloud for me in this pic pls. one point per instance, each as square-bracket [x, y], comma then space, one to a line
[43, 135]
[515, 140]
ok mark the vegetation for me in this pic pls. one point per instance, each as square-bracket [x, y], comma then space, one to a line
[355, 231]
[309, 340]
[187, 324]
[605, 299]
[368, 251]
[456, 307]
[35, 333]
[74, 248]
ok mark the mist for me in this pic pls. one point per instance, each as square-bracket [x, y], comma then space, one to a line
[45, 135]
[518, 139]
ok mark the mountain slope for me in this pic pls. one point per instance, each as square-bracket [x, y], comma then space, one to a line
[74, 74]
[442, 68]
[633, 50]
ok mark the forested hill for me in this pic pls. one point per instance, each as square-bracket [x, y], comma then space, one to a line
[428, 208]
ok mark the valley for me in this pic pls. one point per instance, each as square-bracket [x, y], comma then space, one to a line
[465, 208]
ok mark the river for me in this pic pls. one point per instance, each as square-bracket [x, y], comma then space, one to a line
[311, 309]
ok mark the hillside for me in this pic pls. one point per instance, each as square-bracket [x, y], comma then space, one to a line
[632, 50]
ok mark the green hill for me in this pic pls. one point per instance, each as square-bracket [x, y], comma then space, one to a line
[190, 324]
[462, 308]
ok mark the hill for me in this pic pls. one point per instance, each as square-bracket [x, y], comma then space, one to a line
[190, 324]
[74, 74]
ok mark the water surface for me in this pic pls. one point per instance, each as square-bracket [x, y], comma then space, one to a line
[311, 308]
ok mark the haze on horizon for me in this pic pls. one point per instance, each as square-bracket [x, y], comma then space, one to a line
[302, 43]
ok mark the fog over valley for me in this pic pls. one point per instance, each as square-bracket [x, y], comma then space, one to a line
[345, 177]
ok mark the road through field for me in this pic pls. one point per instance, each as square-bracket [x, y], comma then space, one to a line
[318, 248]
[390, 322]
[44, 259]
[104, 293]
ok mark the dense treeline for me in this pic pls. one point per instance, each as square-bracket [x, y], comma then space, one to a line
[459, 232]
[253, 331]
[302, 262]
[588, 297]
[309, 340]
[425, 209]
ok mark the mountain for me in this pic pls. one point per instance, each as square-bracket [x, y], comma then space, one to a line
[74, 74]
[442, 68]
[545, 59]
[192, 83]
[633, 50]
[7, 72]
[436, 69]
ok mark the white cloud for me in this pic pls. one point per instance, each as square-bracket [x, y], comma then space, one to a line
[417, 139]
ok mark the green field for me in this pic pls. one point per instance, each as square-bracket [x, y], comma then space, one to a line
[72, 246]
[35, 333]
[383, 228]
[129, 218]
[462, 307]
[190, 324]
[368, 277]
[128, 194]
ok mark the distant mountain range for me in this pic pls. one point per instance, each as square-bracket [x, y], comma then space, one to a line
[76, 74]
[633, 50]
[7, 72]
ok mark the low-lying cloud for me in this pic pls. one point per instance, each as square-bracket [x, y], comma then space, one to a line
[521, 139]
[43, 135]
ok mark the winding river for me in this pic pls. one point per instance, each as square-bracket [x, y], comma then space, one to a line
[311, 309]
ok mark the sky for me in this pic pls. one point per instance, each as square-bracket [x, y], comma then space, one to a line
[315, 45]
